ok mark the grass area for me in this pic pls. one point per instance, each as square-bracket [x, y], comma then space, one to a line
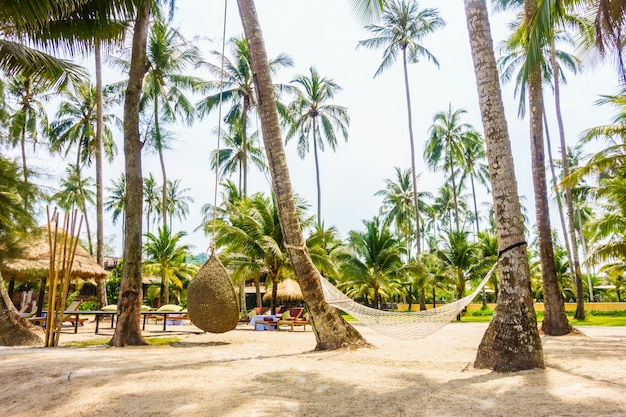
[591, 319]
[154, 341]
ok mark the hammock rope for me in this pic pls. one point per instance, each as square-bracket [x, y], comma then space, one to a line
[401, 325]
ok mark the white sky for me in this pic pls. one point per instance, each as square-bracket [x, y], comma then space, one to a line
[324, 34]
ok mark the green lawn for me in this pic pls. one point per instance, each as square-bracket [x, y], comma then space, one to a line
[590, 320]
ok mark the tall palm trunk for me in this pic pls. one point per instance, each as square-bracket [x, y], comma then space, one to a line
[83, 201]
[317, 175]
[475, 205]
[580, 300]
[555, 321]
[454, 196]
[331, 331]
[101, 288]
[412, 142]
[128, 329]
[159, 143]
[244, 140]
[557, 195]
[511, 342]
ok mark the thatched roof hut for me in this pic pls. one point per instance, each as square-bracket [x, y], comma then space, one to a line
[35, 262]
[288, 290]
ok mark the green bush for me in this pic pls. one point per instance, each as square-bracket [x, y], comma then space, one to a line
[88, 306]
[616, 313]
[483, 312]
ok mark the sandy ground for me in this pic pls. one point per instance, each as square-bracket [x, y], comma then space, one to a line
[248, 373]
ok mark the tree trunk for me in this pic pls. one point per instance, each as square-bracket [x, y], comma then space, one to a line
[128, 329]
[244, 140]
[412, 143]
[555, 321]
[580, 298]
[157, 132]
[101, 288]
[331, 331]
[317, 176]
[511, 342]
[15, 330]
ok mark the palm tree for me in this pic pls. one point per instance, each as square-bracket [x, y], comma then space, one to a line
[473, 165]
[404, 27]
[76, 126]
[43, 24]
[231, 154]
[235, 85]
[445, 147]
[502, 349]
[177, 200]
[253, 242]
[169, 57]
[459, 259]
[151, 199]
[76, 192]
[374, 263]
[14, 330]
[331, 331]
[533, 46]
[316, 119]
[397, 205]
[117, 200]
[30, 117]
[167, 258]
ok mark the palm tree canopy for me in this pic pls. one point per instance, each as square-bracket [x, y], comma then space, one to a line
[404, 26]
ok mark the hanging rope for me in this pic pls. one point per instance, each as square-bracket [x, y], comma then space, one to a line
[219, 132]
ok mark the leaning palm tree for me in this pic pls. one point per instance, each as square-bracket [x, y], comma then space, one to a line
[403, 29]
[331, 331]
[167, 258]
[315, 120]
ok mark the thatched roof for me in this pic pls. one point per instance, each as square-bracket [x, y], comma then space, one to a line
[288, 290]
[35, 261]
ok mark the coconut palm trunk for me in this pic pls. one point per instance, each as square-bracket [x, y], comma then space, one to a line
[14, 330]
[317, 174]
[101, 289]
[555, 321]
[331, 331]
[580, 301]
[128, 329]
[511, 342]
[412, 142]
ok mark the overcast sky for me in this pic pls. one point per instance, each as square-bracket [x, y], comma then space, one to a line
[324, 34]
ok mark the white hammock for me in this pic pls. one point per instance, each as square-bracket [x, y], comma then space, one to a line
[401, 325]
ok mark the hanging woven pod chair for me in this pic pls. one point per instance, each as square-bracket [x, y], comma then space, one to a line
[211, 299]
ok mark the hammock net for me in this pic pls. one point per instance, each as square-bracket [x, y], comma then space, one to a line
[401, 325]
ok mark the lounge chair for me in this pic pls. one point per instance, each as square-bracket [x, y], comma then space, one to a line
[293, 317]
[71, 317]
[256, 311]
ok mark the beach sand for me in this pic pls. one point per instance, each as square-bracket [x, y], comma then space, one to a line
[247, 373]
